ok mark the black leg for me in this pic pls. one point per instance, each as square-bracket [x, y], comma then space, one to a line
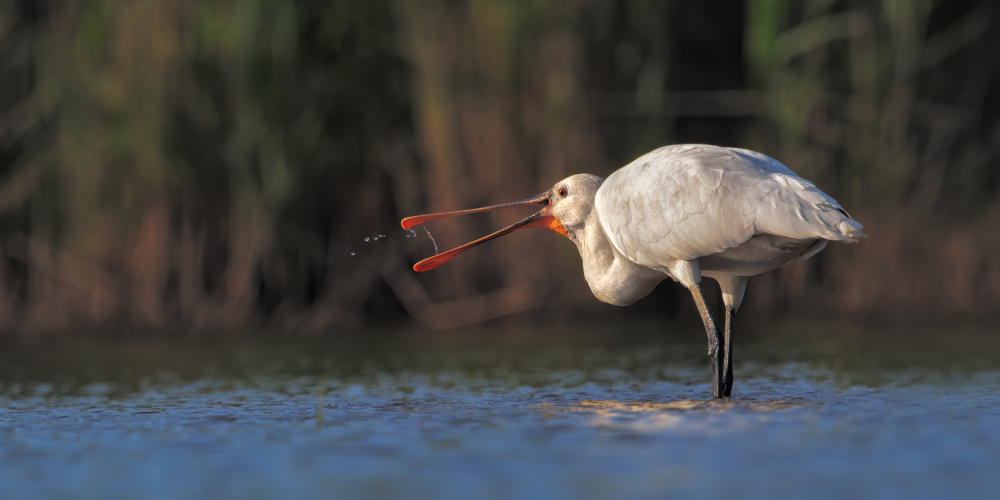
[733, 288]
[715, 342]
[727, 360]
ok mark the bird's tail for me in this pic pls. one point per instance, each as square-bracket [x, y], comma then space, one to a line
[840, 226]
[851, 230]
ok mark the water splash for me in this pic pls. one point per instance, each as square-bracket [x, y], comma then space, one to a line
[436, 251]
[381, 238]
[378, 237]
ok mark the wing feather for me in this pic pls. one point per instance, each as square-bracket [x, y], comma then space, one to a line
[688, 201]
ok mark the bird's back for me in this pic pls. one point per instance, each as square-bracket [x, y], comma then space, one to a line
[689, 201]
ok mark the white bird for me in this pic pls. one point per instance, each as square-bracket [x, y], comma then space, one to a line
[683, 212]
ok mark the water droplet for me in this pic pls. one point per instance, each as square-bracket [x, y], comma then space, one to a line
[352, 254]
[366, 239]
[376, 238]
[432, 241]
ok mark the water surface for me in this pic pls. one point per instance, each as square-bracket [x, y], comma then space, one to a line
[825, 414]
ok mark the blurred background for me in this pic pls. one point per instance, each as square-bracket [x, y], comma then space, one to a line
[227, 166]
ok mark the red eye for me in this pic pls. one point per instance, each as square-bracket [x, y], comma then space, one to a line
[562, 192]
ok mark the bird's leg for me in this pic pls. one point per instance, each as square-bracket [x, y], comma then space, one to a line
[727, 356]
[714, 340]
[733, 289]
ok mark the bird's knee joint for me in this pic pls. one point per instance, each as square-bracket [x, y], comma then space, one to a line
[713, 349]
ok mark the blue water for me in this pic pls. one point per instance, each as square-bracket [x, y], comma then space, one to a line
[594, 419]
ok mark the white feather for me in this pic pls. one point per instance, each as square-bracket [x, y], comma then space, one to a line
[680, 203]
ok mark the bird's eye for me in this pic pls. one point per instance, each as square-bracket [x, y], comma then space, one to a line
[562, 192]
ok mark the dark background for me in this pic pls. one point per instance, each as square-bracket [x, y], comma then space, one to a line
[226, 166]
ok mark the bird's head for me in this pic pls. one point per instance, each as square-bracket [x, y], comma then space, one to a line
[572, 201]
[565, 210]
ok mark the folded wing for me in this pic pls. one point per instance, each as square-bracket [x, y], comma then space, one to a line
[688, 201]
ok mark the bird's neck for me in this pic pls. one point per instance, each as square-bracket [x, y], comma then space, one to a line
[612, 277]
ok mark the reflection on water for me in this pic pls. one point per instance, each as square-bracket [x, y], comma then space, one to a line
[644, 416]
[412, 417]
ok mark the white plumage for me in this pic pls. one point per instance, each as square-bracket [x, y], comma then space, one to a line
[691, 201]
[683, 212]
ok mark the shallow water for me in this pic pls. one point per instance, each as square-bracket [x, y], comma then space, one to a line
[868, 413]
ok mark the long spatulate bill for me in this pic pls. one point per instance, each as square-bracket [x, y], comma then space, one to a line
[542, 218]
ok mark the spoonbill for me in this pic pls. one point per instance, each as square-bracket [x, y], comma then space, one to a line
[683, 212]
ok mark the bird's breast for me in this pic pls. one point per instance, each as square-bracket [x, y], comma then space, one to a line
[622, 285]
